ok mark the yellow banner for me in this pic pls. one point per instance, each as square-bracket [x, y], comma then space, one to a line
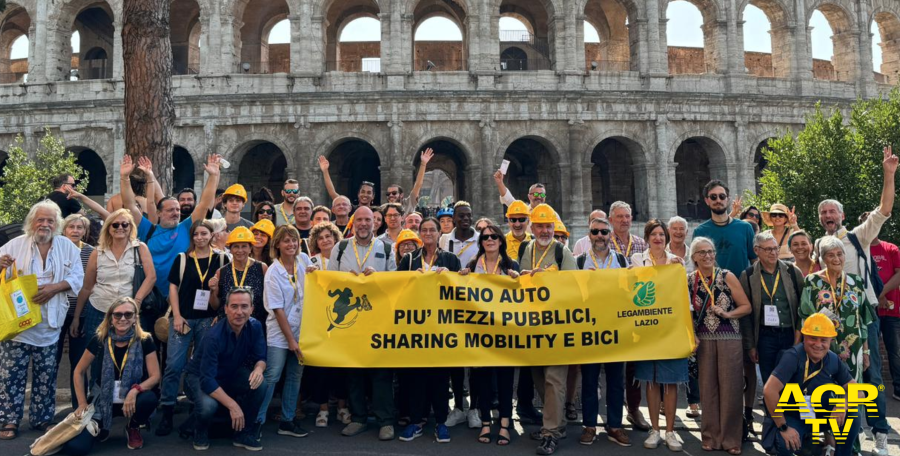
[410, 319]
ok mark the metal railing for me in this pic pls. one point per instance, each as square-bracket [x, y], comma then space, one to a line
[516, 36]
[423, 64]
[525, 64]
[354, 66]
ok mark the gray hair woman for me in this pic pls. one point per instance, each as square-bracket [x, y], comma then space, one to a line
[678, 232]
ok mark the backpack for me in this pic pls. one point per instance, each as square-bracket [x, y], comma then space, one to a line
[791, 272]
[870, 271]
[582, 259]
[343, 246]
[559, 252]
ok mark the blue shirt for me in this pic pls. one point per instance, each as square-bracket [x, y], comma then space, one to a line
[734, 243]
[222, 353]
[165, 244]
[792, 367]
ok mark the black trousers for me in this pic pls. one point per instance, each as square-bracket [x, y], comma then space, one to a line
[525, 390]
[426, 389]
[144, 406]
[482, 381]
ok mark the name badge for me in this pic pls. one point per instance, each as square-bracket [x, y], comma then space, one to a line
[809, 413]
[117, 393]
[201, 300]
[771, 316]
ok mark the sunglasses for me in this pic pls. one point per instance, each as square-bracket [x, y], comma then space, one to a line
[518, 220]
[603, 231]
[123, 315]
[393, 193]
[266, 211]
[720, 196]
[560, 237]
[778, 215]
[117, 225]
[539, 195]
[292, 191]
[493, 237]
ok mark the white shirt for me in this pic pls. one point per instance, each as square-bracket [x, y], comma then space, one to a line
[283, 293]
[643, 259]
[115, 276]
[866, 232]
[464, 250]
[582, 246]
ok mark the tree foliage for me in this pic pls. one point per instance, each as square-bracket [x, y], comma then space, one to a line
[26, 177]
[833, 159]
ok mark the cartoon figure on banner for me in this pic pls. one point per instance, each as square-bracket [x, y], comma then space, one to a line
[338, 311]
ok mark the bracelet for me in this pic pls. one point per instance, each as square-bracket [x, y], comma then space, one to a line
[137, 387]
[867, 352]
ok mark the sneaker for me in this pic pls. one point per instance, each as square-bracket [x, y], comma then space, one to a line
[386, 433]
[344, 415]
[165, 425]
[896, 395]
[652, 440]
[672, 441]
[455, 417]
[474, 419]
[588, 435]
[410, 433]
[442, 433]
[322, 419]
[135, 441]
[247, 438]
[548, 445]
[528, 414]
[618, 436]
[292, 428]
[636, 418]
[353, 428]
[201, 439]
[881, 448]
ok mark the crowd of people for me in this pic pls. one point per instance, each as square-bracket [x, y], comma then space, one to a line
[182, 293]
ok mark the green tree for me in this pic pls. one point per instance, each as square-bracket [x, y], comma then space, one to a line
[26, 178]
[832, 159]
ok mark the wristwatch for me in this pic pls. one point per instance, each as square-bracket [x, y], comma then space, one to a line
[783, 428]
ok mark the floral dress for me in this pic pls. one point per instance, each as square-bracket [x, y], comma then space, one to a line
[851, 316]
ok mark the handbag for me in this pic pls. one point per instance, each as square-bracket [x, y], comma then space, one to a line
[69, 428]
[154, 303]
[693, 365]
[17, 312]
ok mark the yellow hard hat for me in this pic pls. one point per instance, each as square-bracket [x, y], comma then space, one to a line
[407, 235]
[266, 226]
[818, 325]
[240, 234]
[543, 213]
[559, 228]
[518, 208]
[236, 190]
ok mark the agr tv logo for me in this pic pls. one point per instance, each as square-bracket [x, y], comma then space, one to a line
[812, 409]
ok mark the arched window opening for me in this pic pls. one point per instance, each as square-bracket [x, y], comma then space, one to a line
[14, 44]
[96, 37]
[608, 41]
[439, 46]
[528, 26]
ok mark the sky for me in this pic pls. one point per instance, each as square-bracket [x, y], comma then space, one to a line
[683, 29]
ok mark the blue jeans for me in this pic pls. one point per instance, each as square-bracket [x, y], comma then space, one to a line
[615, 396]
[771, 344]
[238, 389]
[872, 375]
[178, 347]
[843, 449]
[276, 359]
[890, 329]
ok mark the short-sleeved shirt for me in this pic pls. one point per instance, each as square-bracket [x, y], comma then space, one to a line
[284, 290]
[190, 283]
[734, 243]
[512, 244]
[66, 205]
[283, 216]
[548, 260]
[242, 222]
[165, 244]
[381, 258]
[887, 257]
[98, 349]
[464, 250]
[792, 366]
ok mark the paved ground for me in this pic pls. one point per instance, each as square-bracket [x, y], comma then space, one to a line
[328, 441]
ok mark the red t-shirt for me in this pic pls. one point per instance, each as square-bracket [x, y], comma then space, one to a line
[887, 256]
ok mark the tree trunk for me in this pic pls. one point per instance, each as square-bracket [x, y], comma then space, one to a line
[149, 107]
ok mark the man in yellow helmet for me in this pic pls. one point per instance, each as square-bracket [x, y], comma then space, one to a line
[810, 364]
[233, 200]
[517, 215]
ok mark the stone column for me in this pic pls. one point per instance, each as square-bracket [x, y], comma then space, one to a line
[37, 55]
[118, 57]
[489, 200]
[666, 194]
[580, 204]
[644, 202]
[404, 43]
[745, 179]
[317, 53]
[866, 87]
[890, 63]
[118, 154]
[657, 54]
[846, 58]
[783, 60]
[298, 24]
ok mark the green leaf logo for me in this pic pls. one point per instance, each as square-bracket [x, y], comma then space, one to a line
[644, 294]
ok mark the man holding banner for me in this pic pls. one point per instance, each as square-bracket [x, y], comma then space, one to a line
[547, 254]
[363, 254]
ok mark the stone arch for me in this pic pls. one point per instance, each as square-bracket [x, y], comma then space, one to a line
[759, 161]
[534, 159]
[352, 162]
[94, 167]
[453, 160]
[95, 22]
[185, 169]
[540, 17]
[255, 18]
[262, 164]
[698, 159]
[235, 153]
[888, 23]
[185, 33]
[780, 19]
[714, 59]
[445, 55]
[617, 50]
[619, 173]
[337, 14]
[15, 22]
[845, 61]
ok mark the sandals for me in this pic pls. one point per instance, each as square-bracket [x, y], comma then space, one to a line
[501, 440]
[734, 451]
[571, 413]
[11, 429]
[706, 447]
[693, 411]
[485, 436]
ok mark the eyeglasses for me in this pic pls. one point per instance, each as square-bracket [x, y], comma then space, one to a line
[560, 237]
[117, 225]
[493, 237]
[518, 220]
[769, 249]
[603, 231]
[123, 315]
[266, 211]
[539, 195]
[704, 253]
[720, 196]
[392, 216]
[393, 193]
[292, 191]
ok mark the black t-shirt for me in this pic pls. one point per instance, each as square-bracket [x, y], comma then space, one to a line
[66, 205]
[188, 289]
[98, 350]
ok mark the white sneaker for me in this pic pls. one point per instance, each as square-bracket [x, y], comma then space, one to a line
[322, 419]
[455, 417]
[474, 419]
[672, 441]
[653, 439]
[881, 448]
[344, 415]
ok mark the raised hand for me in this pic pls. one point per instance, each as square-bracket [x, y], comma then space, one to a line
[427, 155]
[792, 217]
[145, 165]
[127, 166]
[890, 160]
[498, 177]
[212, 165]
[323, 163]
